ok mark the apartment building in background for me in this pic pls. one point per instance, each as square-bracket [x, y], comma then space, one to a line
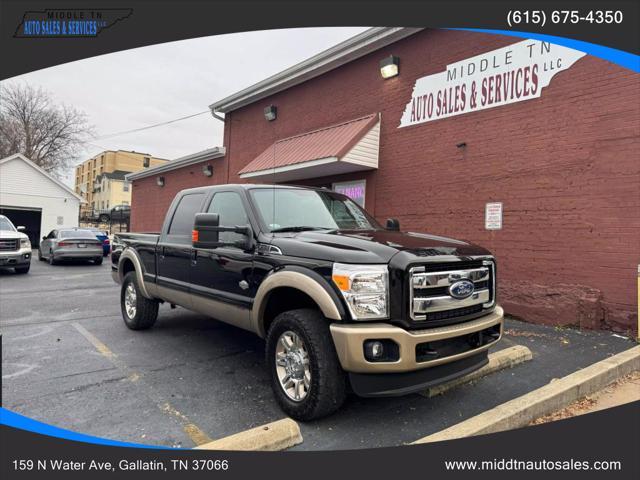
[108, 162]
[111, 189]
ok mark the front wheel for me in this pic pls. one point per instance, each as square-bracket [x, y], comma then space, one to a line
[306, 376]
[138, 312]
[23, 269]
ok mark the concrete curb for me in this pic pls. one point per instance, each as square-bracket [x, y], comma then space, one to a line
[553, 396]
[271, 437]
[499, 360]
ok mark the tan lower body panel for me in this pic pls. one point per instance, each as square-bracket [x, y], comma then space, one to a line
[349, 340]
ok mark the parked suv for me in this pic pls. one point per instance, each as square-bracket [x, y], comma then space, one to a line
[341, 301]
[15, 247]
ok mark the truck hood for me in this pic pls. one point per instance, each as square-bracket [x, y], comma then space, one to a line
[10, 234]
[370, 246]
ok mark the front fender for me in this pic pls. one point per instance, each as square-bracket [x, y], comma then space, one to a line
[303, 279]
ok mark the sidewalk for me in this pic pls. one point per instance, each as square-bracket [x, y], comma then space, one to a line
[625, 390]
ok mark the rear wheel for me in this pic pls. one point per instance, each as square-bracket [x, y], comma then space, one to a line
[138, 312]
[23, 269]
[40, 257]
[103, 218]
[97, 260]
[306, 376]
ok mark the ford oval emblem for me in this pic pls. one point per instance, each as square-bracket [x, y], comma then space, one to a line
[461, 289]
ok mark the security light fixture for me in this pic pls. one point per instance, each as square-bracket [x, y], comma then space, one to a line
[207, 170]
[271, 112]
[389, 66]
[160, 181]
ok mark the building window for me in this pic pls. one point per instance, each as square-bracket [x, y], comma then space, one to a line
[125, 187]
[354, 190]
[146, 161]
[124, 202]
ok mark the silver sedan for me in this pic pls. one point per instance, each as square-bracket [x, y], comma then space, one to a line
[70, 243]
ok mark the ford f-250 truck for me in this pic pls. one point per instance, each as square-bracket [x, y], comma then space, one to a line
[342, 302]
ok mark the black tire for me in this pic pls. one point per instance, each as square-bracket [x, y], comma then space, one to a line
[23, 269]
[328, 384]
[97, 261]
[103, 218]
[52, 260]
[146, 311]
[40, 257]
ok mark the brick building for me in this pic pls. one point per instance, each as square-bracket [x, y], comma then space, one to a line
[470, 119]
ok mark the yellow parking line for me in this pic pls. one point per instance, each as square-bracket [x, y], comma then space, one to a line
[197, 436]
[101, 347]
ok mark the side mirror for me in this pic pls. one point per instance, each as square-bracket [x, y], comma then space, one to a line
[206, 232]
[44, 238]
[21, 228]
[393, 224]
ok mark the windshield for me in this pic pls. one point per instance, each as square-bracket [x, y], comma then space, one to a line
[285, 209]
[77, 234]
[6, 225]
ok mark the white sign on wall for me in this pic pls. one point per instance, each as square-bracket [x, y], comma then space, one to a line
[493, 216]
[507, 75]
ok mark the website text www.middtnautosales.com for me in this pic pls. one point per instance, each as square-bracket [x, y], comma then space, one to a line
[512, 464]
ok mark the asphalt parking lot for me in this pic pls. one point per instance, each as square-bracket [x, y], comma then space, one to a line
[69, 360]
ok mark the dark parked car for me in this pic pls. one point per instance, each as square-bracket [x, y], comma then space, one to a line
[104, 238]
[70, 243]
[121, 213]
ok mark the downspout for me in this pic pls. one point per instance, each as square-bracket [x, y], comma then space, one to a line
[225, 142]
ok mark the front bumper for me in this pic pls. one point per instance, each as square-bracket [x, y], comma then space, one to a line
[403, 383]
[16, 258]
[349, 342]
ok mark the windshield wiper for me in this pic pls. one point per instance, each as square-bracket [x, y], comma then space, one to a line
[299, 229]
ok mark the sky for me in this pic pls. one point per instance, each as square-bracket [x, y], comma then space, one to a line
[144, 86]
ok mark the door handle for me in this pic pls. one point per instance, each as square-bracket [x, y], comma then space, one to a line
[161, 253]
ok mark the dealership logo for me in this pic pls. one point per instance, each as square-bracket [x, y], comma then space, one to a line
[500, 77]
[461, 289]
[69, 23]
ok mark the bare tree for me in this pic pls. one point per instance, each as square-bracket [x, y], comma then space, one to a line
[51, 135]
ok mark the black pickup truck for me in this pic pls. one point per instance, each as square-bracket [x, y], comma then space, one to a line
[342, 302]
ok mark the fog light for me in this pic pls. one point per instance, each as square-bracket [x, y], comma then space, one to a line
[381, 350]
[373, 350]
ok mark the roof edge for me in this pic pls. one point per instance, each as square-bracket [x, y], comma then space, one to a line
[344, 52]
[32, 164]
[208, 154]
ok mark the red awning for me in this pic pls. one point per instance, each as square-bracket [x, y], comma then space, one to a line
[342, 148]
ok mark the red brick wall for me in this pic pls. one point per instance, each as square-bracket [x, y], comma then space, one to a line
[149, 202]
[564, 165]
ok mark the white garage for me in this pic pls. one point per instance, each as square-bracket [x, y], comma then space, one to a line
[31, 197]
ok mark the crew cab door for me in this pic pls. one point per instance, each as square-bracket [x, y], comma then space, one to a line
[174, 251]
[221, 283]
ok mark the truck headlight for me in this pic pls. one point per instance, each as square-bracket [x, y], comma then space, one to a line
[365, 288]
[25, 243]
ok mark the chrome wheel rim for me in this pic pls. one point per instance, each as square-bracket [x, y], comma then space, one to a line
[292, 366]
[130, 297]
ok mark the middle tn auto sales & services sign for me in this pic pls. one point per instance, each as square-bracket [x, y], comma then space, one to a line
[500, 77]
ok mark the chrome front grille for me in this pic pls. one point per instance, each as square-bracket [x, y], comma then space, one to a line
[8, 245]
[430, 298]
